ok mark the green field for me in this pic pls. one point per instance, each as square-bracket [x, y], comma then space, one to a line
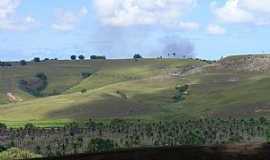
[148, 87]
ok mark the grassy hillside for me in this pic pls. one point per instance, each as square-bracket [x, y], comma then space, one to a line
[62, 75]
[143, 89]
[118, 88]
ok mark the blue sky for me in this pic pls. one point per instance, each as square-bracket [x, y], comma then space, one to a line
[207, 29]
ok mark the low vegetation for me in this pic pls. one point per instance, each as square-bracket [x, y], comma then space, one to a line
[94, 136]
[35, 85]
[16, 153]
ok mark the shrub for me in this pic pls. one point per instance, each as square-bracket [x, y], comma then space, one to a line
[81, 57]
[23, 62]
[41, 76]
[86, 74]
[46, 59]
[93, 57]
[137, 56]
[122, 94]
[35, 85]
[100, 145]
[29, 126]
[3, 126]
[83, 90]
[181, 92]
[73, 57]
[5, 64]
[16, 153]
[36, 59]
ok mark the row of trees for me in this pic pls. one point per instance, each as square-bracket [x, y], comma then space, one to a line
[82, 57]
[94, 136]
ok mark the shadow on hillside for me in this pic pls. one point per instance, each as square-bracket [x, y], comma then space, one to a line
[220, 152]
[114, 107]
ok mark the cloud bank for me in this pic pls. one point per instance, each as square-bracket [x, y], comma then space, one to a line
[67, 20]
[119, 13]
[254, 12]
[9, 20]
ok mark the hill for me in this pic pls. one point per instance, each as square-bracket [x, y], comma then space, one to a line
[117, 88]
[236, 86]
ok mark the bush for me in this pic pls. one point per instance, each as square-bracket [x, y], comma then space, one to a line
[73, 57]
[86, 74]
[16, 153]
[93, 57]
[36, 59]
[5, 64]
[100, 145]
[35, 85]
[83, 90]
[3, 126]
[23, 62]
[46, 59]
[81, 57]
[137, 56]
[29, 126]
[41, 76]
[122, 94]
[181, 92]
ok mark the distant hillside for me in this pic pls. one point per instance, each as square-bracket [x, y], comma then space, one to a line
[149, 89]
[116, 88]
[257, 63]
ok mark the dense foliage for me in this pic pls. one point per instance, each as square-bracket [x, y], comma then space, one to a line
[93, 57]
[181, 92]
[35, 85]
[15, 153]
[5, 64]
[86, 74]
[94, 136]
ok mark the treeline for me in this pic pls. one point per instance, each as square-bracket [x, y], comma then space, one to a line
[94, 136]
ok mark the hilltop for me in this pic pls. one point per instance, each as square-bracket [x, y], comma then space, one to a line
[149, 89]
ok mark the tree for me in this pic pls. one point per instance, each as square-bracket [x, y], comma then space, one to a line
[137, 56]
[83, 91]
[73, 57]
[3, 126]
[23, 62]
[86, 74]
[81, 57]
[93, 57]
[29, 126]
[36, 59]
[100, 145]
[42, 76]
[5, 64]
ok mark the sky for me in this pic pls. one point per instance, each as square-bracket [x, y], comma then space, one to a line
[207, 29]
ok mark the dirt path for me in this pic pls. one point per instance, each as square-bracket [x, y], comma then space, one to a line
[13, 98]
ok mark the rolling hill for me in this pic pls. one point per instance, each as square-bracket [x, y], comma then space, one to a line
[236, 86]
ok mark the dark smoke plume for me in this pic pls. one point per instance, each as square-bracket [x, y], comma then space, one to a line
[178, 47]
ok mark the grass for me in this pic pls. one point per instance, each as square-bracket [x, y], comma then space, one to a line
[148, 85]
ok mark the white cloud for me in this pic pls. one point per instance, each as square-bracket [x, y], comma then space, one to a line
[66, 20]
[243, 11]
[125, 13]
[215, 29]
[189, 25]
[8, 7]
[9, 20]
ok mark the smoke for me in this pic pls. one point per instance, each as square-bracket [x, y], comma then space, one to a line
[119, 42]
[177, 47]
[139, 26]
